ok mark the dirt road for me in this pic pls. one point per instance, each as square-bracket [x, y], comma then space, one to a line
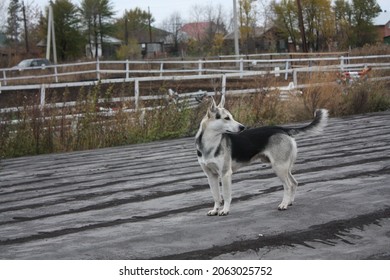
[150, 201]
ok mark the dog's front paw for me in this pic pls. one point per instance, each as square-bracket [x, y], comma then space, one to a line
[283, 206]
[223, 213]
[213, 212]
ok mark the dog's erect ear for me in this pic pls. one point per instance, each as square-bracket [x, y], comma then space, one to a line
[212, 109]
[222, 103]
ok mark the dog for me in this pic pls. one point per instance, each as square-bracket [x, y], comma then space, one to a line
[224, 145]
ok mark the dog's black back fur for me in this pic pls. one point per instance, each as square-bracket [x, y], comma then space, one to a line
[251, 142]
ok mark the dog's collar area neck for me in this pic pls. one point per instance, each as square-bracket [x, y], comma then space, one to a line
[212, 136]
[231, 132]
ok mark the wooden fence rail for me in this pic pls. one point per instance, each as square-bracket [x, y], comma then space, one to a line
[201, 71]
[98, 70]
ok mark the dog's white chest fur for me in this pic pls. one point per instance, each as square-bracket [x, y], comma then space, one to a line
[208, 158]
[212, 165]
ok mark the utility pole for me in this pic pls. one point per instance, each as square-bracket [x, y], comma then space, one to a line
[51, 38]
[126, 31]
[48, 37]
[235, 27]
[25, 27]
[150, 25]
[302, 27]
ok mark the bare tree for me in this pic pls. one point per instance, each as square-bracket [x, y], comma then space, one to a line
[264, 16]
[213, 29]
[247, 20]
[173, 25]
[198, 15]
[302, 27]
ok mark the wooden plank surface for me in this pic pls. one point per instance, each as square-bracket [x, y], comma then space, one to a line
[150, 201]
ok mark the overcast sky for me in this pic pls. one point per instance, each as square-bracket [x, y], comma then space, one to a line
[162, 9]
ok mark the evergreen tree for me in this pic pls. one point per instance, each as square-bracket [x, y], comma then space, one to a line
[134, 24]
[13, 21]
[70, 41]
[67, 23]
[97, 16]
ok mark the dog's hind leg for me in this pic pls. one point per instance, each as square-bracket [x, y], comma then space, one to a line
[214, 187]
[281, 153]
[292, 181]
[282, 172]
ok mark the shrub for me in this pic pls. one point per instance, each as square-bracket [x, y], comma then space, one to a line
[366, 97]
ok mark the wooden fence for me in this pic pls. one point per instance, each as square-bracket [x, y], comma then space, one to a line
[127, 70]
[135, 72]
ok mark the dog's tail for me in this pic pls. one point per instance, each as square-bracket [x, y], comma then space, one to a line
[315, 127]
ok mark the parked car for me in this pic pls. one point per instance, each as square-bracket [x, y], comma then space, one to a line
[32, 63]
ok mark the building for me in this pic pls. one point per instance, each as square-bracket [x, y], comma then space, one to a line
[386, 33]
[382, 23]
[110, 46]
[261, 40]
[153, 43]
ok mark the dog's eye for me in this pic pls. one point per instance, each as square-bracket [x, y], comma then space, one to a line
[217, 116]
[227, 118]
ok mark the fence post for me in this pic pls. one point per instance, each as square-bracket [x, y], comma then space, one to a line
[223, 84]
[200, 66]
[127, 69]
[161, 69]
[295, 78]
[342, 63]
[43, 96]
[136, 93]
[56, 73]
[286, 74]
[5, 77]
[241, 67]
[98, 69]
[277, 71]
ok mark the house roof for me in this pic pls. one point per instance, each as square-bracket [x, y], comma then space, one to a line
[257, 32]
[158, 35]
[199, 30]
[196, 30]
[106, 39]
[111, 40]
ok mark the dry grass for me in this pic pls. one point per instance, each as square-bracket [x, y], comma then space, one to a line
[49, 130]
